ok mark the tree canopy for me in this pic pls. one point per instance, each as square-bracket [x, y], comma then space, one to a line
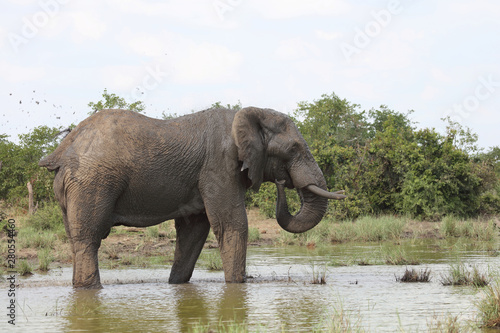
[379, 157]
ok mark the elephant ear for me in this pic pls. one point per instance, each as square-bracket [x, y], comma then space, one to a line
[249, 131]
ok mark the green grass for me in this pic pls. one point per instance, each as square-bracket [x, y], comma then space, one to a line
[369, 229]
[460, 275]
[396, 255]
[318, 275]
[45, 257]
[472, 229]
[364, 229]
[446, 324]
[253, 234]
[47, 217]
[24, 268]
[223, 327]
[412, 275]
[489, 306]
[29, 237]
[211, 260]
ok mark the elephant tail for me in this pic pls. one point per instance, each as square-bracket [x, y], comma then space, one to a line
[54, 161]
[50, 162]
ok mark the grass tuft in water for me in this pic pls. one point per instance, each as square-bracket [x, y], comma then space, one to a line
[369, 229]
[489, 306]
[222, 326]
[342, 321]
[45, 257]
[412, 275]
[24, 268]
[318, 277]
[446, 324]
[36, 239]
[211, 260]
[253, 234]
[472, 229]
[460, 275]
[396, 255]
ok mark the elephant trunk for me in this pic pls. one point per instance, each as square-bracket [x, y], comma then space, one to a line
[311, 212]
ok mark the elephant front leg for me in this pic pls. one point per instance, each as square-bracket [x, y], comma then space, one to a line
[231, 230]
[191, 235]
[85, 265]
[233, 250]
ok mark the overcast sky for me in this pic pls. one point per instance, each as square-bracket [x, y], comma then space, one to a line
[438, 58]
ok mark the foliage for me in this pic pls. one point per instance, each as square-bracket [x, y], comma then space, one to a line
[388, 166]
[489, 306]
[412, 275]
[47, 217]
[20, 164]
[113, 101]
[219, 105]
[460, 275]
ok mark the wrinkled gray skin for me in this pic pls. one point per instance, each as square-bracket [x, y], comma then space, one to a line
[119, 167]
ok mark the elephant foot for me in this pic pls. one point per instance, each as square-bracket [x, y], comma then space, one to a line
[88, 287]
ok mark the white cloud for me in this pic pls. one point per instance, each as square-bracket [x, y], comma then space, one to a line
[148, 45]
[19, 74]
[194, 12]
[329, 36]
[281, 9]
[295, 49]
[430, 92]
[87, 25]
[187, 61]
[207, 63]
[439, 75]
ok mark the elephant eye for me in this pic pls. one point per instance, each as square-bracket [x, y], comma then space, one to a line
[293, 148]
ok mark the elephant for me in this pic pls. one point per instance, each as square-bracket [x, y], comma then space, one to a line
[120, 167]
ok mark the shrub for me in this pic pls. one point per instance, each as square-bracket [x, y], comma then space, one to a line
[253, 234]
[47, 217]
[489, 306]
[31, 238]
[460, 275]
[45, 257]
[212, 260]
[24, 268]
[415, 276]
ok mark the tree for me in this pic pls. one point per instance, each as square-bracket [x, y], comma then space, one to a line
[20, 164]
[112, 101]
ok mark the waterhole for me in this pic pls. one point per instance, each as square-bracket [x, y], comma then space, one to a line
[359, 291]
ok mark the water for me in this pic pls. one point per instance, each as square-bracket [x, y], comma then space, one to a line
[279, 297]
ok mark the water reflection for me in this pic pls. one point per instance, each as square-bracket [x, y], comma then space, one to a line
[85, 311]
[288, 302]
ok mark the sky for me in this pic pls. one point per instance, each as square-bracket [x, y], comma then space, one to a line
[438, 58]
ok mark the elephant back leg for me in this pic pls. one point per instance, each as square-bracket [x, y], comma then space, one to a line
[87, 222]
[192, 232]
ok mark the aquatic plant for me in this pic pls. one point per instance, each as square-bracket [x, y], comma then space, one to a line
[396, 255]
[489, 306]
[412, 275]
[211, 260]
[24, 268]
[253, 234]
[29, 237]
[45, 257]
[318, 277]
[460, 275]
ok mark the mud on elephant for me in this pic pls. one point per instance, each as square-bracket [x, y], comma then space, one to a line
[119, 167]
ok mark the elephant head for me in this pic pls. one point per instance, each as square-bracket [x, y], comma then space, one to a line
[271, 148]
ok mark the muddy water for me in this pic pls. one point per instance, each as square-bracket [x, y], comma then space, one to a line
[278, 297]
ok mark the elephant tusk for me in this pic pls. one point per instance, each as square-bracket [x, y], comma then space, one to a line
[325, 194]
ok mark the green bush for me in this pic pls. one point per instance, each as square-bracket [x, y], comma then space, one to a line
[47, 217]
[266, 198]
[387, 166]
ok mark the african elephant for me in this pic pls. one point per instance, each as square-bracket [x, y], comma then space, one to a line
[119, 167]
